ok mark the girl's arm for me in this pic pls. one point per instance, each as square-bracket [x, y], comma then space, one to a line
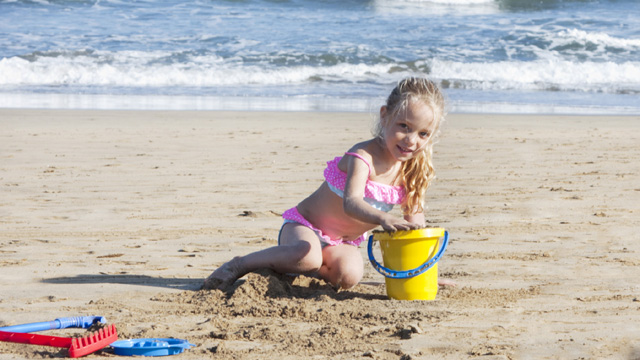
[356, 207]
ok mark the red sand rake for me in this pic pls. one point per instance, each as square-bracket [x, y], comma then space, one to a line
[78, 346]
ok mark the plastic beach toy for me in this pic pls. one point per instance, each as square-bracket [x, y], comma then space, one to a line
[77, 346]
[82, 322]
[150, 347]
[410, 261]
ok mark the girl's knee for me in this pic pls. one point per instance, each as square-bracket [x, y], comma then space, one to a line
[349, 279]
[345, 272]
[352, 274]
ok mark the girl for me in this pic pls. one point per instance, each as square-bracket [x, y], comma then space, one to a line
[322, 233]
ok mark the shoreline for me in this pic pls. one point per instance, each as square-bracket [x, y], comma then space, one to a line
[97, 102]
[495, 118]
[123, 213]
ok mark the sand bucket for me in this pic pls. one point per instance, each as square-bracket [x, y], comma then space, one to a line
[410, 261]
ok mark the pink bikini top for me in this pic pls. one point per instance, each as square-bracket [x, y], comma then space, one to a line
[380, 196]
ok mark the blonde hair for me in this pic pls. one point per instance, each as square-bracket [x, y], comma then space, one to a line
[417, 173]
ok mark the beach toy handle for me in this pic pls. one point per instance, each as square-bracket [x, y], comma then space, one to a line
[83, 322]
[405, 274]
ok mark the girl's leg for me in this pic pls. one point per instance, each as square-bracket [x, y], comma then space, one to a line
[342, 266]
[299, 252]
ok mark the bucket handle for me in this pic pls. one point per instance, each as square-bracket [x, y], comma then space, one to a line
[405, 274]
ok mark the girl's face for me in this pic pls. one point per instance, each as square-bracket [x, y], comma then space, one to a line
[408, 133]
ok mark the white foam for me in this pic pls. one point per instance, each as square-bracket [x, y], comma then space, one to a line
[138, 69]
[599, 38]
[541, 75]
[455, 2]
[446, 2]
[435, 7]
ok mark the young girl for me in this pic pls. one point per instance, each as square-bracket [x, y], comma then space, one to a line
[322, 233]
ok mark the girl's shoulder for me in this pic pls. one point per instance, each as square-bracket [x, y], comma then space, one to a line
[363, 151]
[366, 149]
[364, 146]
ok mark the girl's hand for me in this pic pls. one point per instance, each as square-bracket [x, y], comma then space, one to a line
[392, 223]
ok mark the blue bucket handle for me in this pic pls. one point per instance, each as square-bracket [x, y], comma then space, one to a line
[405, 274]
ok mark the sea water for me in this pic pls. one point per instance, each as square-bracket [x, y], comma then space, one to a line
[491, 56]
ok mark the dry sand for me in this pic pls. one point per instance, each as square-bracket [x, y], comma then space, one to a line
[122, 214]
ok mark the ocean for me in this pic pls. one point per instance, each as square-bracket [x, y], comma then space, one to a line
[489, 56]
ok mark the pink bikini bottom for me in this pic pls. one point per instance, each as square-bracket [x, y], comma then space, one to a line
[293, 216]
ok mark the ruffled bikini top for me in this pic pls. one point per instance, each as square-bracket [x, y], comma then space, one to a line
[381, 196]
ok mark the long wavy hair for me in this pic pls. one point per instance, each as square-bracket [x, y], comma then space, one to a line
[417, 173]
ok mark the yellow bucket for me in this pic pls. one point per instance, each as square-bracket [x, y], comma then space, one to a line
[410, 261]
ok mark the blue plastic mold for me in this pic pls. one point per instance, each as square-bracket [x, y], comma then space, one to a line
[150, 347]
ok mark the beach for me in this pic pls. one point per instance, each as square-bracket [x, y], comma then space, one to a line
[122, 214]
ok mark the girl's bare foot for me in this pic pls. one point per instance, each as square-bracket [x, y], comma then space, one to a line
[225, 275]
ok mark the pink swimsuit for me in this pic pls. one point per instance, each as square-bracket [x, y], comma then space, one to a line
[380, 196]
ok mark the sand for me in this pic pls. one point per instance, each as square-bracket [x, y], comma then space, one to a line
[122, 214]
